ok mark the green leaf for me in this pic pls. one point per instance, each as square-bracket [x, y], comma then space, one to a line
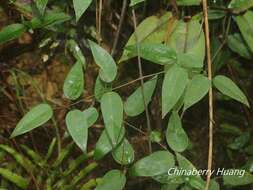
[76, 163]
[214, 185]
[200, 184]
[152, 30]
[240, 5]
[41, 5]
[196, 90]
[124, 153]
[104, 145]
[245, 25]
[240, 141]
[197, 183]
[215, 14]
[14, 178]
[24, 7]
[155, 136]
[169, 178]
[78, 128]
[80, 7]
[230, 129]
[154, 52]
[237, 44]
[63, 155]
[188, 2]
[155, 164]
[100, 88]
[113, 179]
[36, 158]
[49, 19]
[236, 179]
[173, 87]
[108, 68]
[20, 159]
[74, 83]
[134, 104]
[11, 32]
[184, 163]
[50, 149]
[176, 137]
[112, 111]
[82, 175]
[227, 87]
[188, 40]
[76, 51]
[36, 117]
[135, 2]
[90, 115]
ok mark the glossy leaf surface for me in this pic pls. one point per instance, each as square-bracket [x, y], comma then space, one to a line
[245, 25]
[176, 137]
[237, 44]
[134, 104]
[11, 32]
[227, 87]
[78, 128]
[174, 84]
[36, 117]
[74, 83]
[124, 153]
[155, 52]
[196, 89]
[108, 68]
[155, 164]
[80, 7]
[91, 116]
[104, 144]
[152, 30]
[112, 111]
[114, 180]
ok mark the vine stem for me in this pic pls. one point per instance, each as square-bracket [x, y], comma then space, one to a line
[209, 69]
[122, 16]
[117, 87]
[142, 81]
[99, 8]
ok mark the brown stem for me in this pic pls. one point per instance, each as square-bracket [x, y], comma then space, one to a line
[122, 16]
[142, 81]
[175, 8]
[209, 67]
[121, 86]
[99, 9]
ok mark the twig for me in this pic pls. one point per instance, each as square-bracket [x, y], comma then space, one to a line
[175, 8]
[122, 85]
[99, 20]
[209, 64]
[224, 41]
[138, 79]
[135, 128]
[122, 16]
[142, 81]
[143, 133]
